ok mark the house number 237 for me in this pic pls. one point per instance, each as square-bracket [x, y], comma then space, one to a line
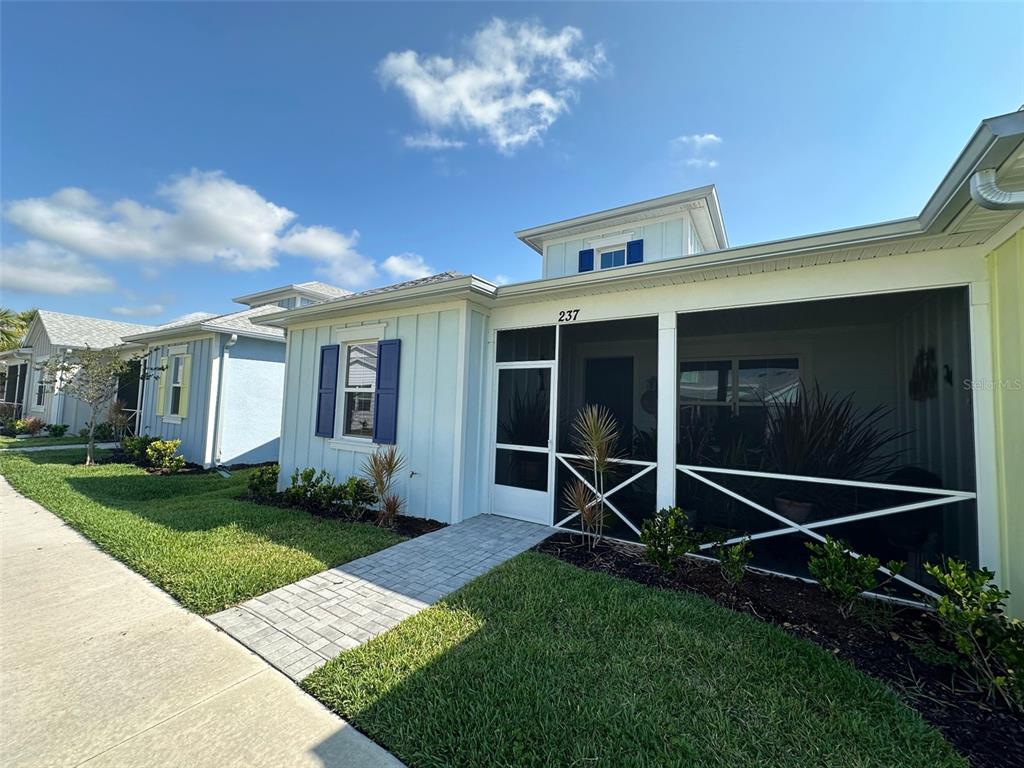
[568, 315]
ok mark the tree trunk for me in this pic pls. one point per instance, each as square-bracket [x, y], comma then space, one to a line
[90, 448]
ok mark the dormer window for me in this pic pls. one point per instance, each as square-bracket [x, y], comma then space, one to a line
[613, 257]
[610, 255]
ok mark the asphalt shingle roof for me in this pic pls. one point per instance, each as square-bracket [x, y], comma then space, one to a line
[328, 291]
[79, 331]
[233, 322]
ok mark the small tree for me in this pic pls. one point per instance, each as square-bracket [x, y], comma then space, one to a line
[89, 375]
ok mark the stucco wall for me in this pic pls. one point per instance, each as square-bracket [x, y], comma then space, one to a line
[192, 429]
[1006, 273]
[427, 406]
[251, 397]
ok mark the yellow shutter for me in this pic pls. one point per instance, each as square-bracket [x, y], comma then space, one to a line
[186, 374]
[161, 389]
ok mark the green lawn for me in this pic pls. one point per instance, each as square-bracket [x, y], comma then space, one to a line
[31, 442]
[189, 534]
[539, 663]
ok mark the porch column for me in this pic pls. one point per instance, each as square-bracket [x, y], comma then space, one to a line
[667, 420]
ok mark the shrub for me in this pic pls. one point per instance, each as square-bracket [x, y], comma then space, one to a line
[262, 482]
[33, 425]
[381, 469]
[841, 574]
[667, 536]
[105, 432]
[57, 430]
[971, 615]
[310, 490]
[162, 454]
[135, 448]
[359, 497]
[733, 560]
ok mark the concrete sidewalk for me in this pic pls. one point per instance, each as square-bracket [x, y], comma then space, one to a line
[69, 447]
[98, 666]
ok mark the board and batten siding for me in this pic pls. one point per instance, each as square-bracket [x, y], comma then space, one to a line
[192, 429]
[662, 240]
[428, 408]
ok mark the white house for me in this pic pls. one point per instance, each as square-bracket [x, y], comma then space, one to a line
[691, 344]
[59, 335]
[216, 383]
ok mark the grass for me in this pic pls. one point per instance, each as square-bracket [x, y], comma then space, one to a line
[539, 663]
[31, 442]
[189, 534]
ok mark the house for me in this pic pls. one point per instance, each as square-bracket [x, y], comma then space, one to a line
[56, 334]
[216, 382]
[719, 364]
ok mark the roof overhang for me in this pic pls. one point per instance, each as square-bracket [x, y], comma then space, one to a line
[702, 197]
[276, 294]
[468, 287]
[191, 330]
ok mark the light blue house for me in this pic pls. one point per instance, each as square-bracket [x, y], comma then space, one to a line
[217, 383]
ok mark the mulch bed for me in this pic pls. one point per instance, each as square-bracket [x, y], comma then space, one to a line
[879, 644]
[410, 527]
[117, 456]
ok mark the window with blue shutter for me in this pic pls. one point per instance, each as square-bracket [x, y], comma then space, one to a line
[385, 411]
[327, 391]
[635, 252]
[587, 260]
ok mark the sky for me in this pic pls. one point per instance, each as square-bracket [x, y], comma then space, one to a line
[159, 159]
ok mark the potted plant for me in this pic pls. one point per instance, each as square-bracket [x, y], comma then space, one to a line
[825, 435]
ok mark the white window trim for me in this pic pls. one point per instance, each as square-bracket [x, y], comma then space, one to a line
[173, 354]
[618, 247]
[359, 334]
[39, 383]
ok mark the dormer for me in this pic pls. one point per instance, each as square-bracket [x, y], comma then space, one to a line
[293, 296]
[683, 224]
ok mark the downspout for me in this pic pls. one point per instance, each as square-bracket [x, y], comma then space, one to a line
[985, 191]
[222, 372]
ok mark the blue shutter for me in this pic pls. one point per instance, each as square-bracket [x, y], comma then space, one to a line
[587, 260]
[385, 406]
[327, 392]
[635, 252]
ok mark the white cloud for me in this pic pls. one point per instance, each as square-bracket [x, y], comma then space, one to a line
[513, 82]
[699, 141]
[142, 310]
[431, 141]
[693, 149]
[407, 266]
[501, 280]
[207, 217]
[37, 267]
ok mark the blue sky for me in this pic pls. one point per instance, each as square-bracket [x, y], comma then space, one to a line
[160, 159]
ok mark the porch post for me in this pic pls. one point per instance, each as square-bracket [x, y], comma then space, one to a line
[667, 393]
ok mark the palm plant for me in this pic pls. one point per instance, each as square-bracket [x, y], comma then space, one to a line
[381, 469]
[579, 499]
[13, 326]
[595, 435]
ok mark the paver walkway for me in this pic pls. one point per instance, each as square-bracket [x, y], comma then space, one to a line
[299, 627]
[98, 666]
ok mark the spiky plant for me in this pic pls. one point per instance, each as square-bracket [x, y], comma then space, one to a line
[381, 468]
[595, 435]
[579, 499]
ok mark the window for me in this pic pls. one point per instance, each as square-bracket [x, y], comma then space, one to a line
[696, 246]
[40, 390]
[177, 383]
[360, 381]
[613, 257]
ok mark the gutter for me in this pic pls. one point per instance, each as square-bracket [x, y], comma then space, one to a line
[219, 417]
[985, 191]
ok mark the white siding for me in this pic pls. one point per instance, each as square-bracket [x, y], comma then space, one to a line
[427, 408]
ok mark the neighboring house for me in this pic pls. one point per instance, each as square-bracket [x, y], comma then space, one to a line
[216, 382]
[54, 335]
[692, 345]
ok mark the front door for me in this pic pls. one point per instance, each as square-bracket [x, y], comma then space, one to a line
[523, 436]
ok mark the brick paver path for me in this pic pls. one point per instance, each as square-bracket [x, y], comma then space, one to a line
[299, 627]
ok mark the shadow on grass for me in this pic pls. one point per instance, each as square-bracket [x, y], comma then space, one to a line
[539, 663]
